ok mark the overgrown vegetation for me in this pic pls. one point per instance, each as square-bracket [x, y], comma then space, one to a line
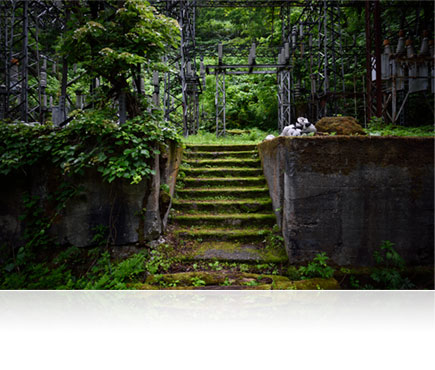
[121, 44]
[377, 127]
[73, 268]
[78, 268]
[91, 140]
[110, 42]
[390, 267]
[317, 268]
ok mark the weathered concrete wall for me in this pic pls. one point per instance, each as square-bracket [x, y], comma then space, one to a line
[133, 213]
[345, 195]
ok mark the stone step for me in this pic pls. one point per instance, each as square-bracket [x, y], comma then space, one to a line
[232, 219]
[222, 280]
[200, 234]
[221, 148]
[230, 251]
[222, 172]
[233, 192]
[200, 182]
[227, 206]
[202, 155]
[236, 162]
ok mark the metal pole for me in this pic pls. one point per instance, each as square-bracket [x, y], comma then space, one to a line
[25, 63]
[368, 61]
[378, 41]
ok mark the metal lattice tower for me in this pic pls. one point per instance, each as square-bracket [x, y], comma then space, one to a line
[21, 71]
[330, 67]
[189, 79]
[284, 77]
[320, 28]
[182, 77]
[310, 69]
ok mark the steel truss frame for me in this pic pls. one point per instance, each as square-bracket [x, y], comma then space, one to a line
[284, 74]
[24, 69]
[318, 33]
[22, 77]
[182, 66]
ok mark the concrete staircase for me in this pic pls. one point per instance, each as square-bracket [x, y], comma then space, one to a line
[222, 209]
[221, 233]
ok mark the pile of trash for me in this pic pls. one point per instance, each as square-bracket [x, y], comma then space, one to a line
[300, 128]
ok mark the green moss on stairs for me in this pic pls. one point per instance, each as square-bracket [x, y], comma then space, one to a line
[220, 234]
[222, 162]
[232, 251]
[196, 182]
[222, 172]
[241, 193]
[245, 154]
[210, 279]
[234, 219]
[223, 205]
[221, 148]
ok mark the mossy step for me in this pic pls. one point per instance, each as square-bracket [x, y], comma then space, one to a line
[244, 154]
[197, 182]
[221, 148]
[248, 205]
[232, 219]
[230, 251]
[218, 234]
[222, 172]
[240, 163]
[213, 280]
[240, 193]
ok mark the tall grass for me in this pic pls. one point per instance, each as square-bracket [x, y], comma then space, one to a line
[251, 136]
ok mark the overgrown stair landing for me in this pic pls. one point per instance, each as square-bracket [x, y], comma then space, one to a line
[223, 210]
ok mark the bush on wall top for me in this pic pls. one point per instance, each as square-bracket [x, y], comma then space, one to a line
[91, 140]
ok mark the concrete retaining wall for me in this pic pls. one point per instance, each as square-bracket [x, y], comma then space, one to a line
[345, 195]
[133, 213]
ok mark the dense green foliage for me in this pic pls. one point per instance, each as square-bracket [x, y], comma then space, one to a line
[73, 269]
[251, 100]
[92, 140]
[111, 42]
